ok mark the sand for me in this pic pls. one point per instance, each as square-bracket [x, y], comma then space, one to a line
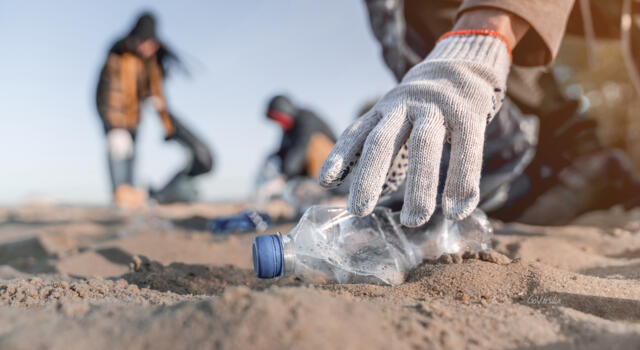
[91, 277]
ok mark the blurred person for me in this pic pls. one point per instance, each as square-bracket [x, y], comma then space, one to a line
[134, 71]
[306, 139]
[286, 184]
[476, 119]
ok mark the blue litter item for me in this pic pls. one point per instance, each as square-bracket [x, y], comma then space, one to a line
[267, 256]
[243, 222]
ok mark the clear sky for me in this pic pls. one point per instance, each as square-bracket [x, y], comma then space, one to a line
[240, 53]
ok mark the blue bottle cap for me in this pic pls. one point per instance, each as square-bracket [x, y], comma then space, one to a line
[267, 256]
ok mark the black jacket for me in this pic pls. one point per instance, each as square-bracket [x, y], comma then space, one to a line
[293, 148]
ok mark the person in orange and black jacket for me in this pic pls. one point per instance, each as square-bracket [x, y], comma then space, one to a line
[306, 139]
[134, 72]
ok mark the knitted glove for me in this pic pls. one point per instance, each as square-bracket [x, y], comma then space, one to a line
[451, 95]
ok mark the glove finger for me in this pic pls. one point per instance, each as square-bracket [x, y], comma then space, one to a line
[346, 151]
[425, 151]
[462, 188]
[381, 144]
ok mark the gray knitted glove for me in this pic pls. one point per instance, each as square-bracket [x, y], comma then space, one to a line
[451, 95]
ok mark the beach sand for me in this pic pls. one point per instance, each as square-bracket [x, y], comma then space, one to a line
[76, 277]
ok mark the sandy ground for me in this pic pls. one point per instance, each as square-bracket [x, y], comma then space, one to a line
[79, 277]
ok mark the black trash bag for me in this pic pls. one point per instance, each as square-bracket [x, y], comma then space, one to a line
[181, 187]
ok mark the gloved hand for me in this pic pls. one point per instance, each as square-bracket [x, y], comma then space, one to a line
[451, 95]
[120, 144]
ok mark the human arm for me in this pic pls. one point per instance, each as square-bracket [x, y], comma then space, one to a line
[158, 99]
[452, 94]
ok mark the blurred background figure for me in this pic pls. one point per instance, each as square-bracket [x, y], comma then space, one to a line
[286, 184]
[306, 139]
[134, 72]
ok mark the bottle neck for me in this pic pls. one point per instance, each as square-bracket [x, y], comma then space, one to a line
[288, 255]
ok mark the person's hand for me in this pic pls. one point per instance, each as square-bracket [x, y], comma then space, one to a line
[451, 95]
[120, 144]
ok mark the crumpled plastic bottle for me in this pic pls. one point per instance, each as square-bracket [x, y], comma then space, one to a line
[330, 245]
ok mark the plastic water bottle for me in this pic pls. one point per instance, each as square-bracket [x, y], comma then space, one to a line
[331, 245]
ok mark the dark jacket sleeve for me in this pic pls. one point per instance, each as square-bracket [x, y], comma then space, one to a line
[294, 155]
[295, 143]
[101, 97]
[157, 94]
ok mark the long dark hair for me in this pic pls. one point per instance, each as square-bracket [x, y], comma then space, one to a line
[145, 28]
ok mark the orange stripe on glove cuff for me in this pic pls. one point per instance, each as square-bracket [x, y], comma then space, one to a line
[486, 32]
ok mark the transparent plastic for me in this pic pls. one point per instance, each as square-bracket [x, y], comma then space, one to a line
[331, 245]
[300, 193]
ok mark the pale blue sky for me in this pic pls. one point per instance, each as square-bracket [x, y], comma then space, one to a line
[240, 53]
